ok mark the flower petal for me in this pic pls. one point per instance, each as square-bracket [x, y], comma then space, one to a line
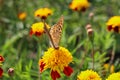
[1, 72]
[31, 32]
[116, 29]
[1, 59]
[42, 65]
[37, 33]
[109, 27]
[55, 75]
[68, 71]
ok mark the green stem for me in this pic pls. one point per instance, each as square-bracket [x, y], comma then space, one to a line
[83, 59]
[112, 56]
[93, 55]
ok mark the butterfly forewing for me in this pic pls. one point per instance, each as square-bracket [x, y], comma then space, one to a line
[56, 31]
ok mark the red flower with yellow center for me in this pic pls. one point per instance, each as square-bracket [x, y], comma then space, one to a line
[57, 60]
[43, 13]
[79, 5]
[113, 24]
[38, 28]
[22, 15]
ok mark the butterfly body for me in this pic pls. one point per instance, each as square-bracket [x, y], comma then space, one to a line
[55, 33]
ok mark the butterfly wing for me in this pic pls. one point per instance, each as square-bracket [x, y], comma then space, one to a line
[56, 31]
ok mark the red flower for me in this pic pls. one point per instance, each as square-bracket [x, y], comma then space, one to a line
[1, 72]
[55, 75]
[1, 59]
[68, 71]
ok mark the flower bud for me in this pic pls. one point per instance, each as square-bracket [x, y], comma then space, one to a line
[91, 15]
[90, 32]
[88, 26]
[10, 71]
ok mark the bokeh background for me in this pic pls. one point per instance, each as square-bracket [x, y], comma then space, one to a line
[22, 51]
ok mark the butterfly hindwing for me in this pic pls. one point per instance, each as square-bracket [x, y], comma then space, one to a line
[56, 31]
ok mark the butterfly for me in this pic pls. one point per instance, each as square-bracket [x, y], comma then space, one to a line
[55, 32]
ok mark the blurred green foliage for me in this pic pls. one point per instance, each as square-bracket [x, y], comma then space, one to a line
[22, 51]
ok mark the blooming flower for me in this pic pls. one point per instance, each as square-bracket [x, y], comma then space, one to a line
[106, 66]
[79, 5]
[113, 24]
[88, 75]
[1, 72]
[57, 60]
[38, 28]
[22, 15]
[43, 13]
[114, 76]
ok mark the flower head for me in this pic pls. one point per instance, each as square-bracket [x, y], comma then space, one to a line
[1, 59]
[1, 72]
[22, 15]
[38, 28]
[114, 76]
[79, 5]
[113, 24]
[57, 60]
[88, 75]
[43, 13]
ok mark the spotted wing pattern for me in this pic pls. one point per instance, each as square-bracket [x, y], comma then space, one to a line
[56, 31]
